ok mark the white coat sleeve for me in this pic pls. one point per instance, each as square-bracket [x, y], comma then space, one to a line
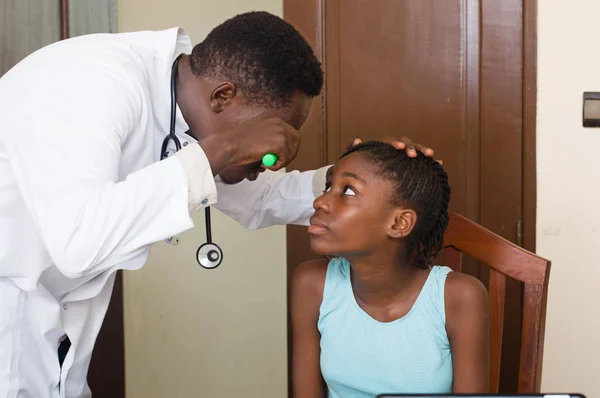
[66, 157]
[275, 198]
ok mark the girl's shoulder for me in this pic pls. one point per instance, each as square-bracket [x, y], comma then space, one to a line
[463, 293]
[309, 277]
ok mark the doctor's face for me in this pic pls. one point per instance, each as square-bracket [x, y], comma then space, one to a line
[294, 114]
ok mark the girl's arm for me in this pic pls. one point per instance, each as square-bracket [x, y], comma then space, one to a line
[467, 324]
[307, 294]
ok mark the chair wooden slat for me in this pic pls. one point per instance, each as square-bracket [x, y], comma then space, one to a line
[532, 340]
[497, 294]
[505, 259]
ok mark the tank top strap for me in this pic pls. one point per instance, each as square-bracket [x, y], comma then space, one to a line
[435, 288]
[336, 287]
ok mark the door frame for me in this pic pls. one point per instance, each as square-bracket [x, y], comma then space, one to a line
[106, 374]
[312, 27]
[529, 199]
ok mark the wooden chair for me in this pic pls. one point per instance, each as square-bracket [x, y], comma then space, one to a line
[505, 259]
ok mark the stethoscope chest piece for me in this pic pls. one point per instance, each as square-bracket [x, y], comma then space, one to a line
[209, 255]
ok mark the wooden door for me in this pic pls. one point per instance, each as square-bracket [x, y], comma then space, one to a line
[447, 73]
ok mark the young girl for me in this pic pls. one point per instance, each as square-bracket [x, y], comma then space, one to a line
[378, 318]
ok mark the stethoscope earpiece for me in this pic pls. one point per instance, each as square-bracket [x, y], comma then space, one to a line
[209, 256]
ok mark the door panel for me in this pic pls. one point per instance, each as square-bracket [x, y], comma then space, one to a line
[446, 73]
[383, 83]
[501, 148]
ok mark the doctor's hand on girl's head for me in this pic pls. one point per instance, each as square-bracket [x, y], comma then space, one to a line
[405, 144]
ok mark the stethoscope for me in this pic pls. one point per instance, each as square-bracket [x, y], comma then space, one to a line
[209, 255]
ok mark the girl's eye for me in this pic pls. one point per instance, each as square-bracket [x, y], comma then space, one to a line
[327, 188]
[349, 191]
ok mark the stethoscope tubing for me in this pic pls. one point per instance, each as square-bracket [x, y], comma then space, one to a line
[209, 255]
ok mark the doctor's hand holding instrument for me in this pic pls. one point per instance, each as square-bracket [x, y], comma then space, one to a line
[249, 142]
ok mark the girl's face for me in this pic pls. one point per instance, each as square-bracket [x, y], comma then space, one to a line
[354, 216]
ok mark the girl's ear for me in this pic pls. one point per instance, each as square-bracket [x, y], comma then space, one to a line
[404, 221]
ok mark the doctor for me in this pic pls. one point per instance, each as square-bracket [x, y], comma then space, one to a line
[83, 193]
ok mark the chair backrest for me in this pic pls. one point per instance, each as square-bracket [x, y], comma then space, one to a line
[504, 258]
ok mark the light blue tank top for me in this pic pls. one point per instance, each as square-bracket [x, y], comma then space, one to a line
[362, 357]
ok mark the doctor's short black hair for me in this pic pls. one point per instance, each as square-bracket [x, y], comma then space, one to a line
[263, 55]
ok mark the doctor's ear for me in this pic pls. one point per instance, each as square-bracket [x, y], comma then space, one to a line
[403, 223]
[222, 96]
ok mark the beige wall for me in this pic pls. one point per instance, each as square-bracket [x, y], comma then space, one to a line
[568, 224]
[191, 332]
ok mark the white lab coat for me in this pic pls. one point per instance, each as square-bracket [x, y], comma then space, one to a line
[82, 195]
